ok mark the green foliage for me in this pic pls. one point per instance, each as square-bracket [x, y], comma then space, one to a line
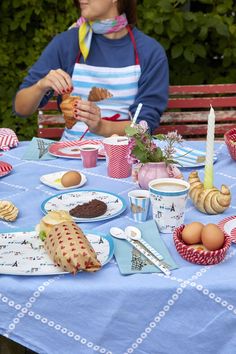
[26, 27]
[200, 44]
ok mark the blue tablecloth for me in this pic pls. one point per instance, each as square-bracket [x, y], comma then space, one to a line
[191, 311]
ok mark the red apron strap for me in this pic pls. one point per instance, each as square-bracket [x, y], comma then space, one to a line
[78, 57]
[132, 40]
[134, 44]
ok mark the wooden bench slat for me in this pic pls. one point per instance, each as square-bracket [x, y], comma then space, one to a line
[50, 133]
[203, 102]
[194, 130]
[203, 89]
[50, 106]
[49, 119]
[198, 116]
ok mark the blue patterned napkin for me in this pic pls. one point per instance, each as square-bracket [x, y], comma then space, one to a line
[131, 261]
[38, 150]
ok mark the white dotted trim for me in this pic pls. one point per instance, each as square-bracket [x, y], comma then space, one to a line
[212, 296]
[24, 310]
[157, 319]
[65, 331]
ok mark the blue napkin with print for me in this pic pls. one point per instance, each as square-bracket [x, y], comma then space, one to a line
[131, 261]
[38, 150]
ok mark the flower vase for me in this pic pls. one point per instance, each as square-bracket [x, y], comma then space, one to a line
[153, 170]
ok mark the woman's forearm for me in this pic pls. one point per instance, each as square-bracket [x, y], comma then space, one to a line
[28, 99]
[107, 128]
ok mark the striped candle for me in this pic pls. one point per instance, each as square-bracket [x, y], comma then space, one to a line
[208, 178]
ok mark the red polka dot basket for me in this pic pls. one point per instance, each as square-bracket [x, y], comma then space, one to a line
[199, 256]
[230, 140]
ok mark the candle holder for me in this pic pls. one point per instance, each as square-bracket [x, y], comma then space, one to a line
[208, 200]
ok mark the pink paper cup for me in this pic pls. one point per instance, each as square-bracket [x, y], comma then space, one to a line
[89, 155]
[116, 149]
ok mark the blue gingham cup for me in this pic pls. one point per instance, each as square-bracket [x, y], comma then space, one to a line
[139, 204]
[168, 199]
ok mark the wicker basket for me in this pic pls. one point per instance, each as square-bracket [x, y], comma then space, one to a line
[230, 140]
[199, 256]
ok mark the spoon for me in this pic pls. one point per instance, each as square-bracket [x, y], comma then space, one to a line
[132, 234]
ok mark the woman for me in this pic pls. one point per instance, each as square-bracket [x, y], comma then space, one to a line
[112, 55]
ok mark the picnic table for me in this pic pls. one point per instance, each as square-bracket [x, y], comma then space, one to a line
[193, 310]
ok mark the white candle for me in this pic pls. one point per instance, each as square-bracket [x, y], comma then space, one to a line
[136, 114]
[208, 178]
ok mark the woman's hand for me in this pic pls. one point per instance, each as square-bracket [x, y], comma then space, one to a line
[89, 113]
[57, 80]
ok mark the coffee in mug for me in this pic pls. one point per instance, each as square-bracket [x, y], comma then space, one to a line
[168, 199]
[165, 186]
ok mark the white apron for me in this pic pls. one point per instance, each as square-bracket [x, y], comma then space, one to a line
[122, 83]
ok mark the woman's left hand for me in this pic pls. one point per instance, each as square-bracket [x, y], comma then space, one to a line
[89, 113]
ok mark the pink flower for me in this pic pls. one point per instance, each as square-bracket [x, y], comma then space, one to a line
[143, 126]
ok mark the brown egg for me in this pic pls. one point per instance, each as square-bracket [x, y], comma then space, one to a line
[191, 234]
[212, 237]
[71, 178]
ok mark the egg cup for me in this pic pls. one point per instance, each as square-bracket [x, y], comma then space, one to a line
[199, 256]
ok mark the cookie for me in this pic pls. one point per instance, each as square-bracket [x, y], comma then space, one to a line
[91, 209]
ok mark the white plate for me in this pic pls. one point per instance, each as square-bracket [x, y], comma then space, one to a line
[188, 157]
[71, 149]
[68, 200]
[228, 225]
[54, 180]
[23, 253]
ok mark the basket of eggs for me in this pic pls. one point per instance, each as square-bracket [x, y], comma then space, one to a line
[230, 140]
[201, 244]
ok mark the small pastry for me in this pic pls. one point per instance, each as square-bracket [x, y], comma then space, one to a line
[208, 201]
[67, 103]
[98, 94]
[8, 211]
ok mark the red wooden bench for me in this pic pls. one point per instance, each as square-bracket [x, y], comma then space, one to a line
[187, 112]
[188, 109]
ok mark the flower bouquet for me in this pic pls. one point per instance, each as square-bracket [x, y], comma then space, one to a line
[143, 151]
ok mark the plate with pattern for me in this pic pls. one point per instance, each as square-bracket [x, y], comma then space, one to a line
[23, 253]
[69, 200]
[54, 180]
[228, 225]
[187, 157]
[71, 149]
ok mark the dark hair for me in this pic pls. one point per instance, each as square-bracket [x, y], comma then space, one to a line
[129, 7]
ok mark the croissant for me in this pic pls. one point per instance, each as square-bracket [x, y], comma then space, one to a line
[67, 103]
[98, 94]
[208, 201]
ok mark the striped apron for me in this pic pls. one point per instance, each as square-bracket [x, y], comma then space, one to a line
[122, 83]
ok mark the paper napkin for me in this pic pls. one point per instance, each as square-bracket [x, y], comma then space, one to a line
[38, 150]
[131, 261]
[188, 157]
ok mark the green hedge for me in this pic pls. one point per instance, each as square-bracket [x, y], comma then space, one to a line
[200, 41]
